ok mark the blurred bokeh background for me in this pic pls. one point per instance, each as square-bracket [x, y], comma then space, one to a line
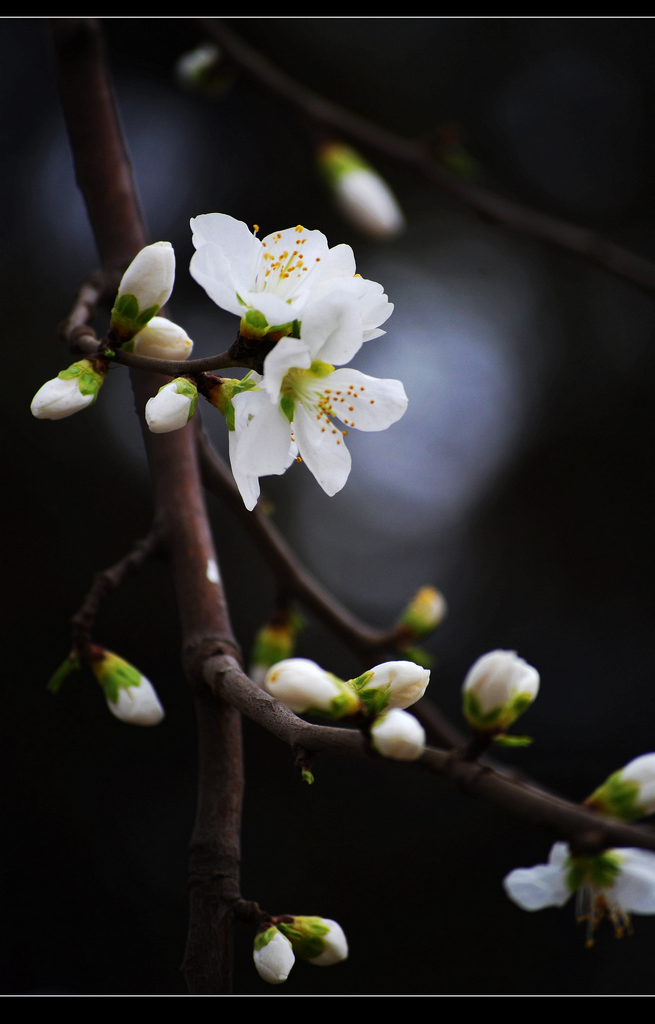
[520, 482]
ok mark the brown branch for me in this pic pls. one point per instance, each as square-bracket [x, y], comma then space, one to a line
[104, 582]
[104, 175]
[586, 830]
[513, 215]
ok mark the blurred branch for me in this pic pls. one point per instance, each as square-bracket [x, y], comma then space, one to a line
[513, 215]
[586, 830]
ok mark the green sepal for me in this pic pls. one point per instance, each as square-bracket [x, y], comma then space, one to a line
[307, 777]
[222, 395]
[336, 160]
[305, 935]
[474, 715]
[359, 682]
[128, 318]
[189, 390]
[601, 871]
[89, 378]
[256, 319]
[618, 797]
[70, 664]
[287, 407]
[114, 674]
[503, 740]
[263, 938]
[374, 701]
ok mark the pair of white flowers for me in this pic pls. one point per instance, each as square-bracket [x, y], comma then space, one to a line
[382, 692]
[292, 289]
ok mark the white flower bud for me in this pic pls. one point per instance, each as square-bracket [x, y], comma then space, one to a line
[70, 391]
[302, 685]
[642, 771]
[365, 199]
[360, 194]
[150, 276]
[394, 684]
[273, 956]
[497, 689]
[129, 695]
[628, 793]
[172, 407]
[162, 339]
[59, 398]
[398, 735]
[335, 946]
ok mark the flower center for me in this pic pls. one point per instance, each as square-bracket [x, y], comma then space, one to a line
[282, 267]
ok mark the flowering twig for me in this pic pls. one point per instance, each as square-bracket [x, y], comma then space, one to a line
[588, 830]
[507, 212]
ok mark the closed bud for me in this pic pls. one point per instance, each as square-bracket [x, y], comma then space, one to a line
[361, 195]
[305, 687]
[497, 689]
[172, 407]
[394, 684]
[145, 287]
[421, 616]
[628, 793]
[129, 695]
[398, 735]
[317, 939]
[200, 70]
[273, 956]
[162, 339]
[70, 391]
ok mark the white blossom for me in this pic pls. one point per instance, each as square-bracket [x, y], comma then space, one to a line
[615, 884]
[498, 687]
[273, 956]
[150, 276]
[162, 339]
[319, 940]
[59, 398]
[302, 685]
[393, 684]
[129, 695]
[172, 407]
[284, 276]
[306, 295]
[398, 735]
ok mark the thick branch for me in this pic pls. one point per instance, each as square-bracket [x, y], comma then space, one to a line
[104, 176]
[561, 233]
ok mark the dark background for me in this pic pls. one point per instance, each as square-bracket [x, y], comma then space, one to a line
[520, 482]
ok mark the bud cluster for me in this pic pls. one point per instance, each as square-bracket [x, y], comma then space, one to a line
[318, 940]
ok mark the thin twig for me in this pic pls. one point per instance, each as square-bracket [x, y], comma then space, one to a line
[507, 212]
[107, 580]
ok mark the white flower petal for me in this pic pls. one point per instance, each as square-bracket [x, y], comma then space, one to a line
[535, 888]
[287, 354]
[59, 398]
[322, 449]
[301, 684]
[168, 410]
[398, 735]
[275, 960]
[162, 339]
[367, 403]
[634, 888]
[137, 705]
[212, 270]
[332, 328]
[239, 246]
[263, 436]
[247, 483]
[336, 946]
